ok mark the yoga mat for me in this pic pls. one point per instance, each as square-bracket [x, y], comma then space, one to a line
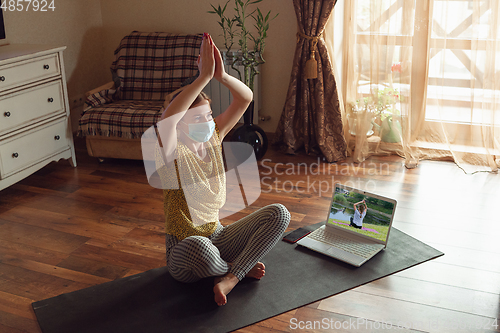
[154, 302]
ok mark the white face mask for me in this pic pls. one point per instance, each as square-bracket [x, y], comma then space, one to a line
[201, 132]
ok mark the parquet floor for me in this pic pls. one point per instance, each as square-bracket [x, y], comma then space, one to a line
[64, 229]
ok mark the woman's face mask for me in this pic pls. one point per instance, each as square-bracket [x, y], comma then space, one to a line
[200, 132]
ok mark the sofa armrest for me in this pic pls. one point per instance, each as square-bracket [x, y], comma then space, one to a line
[109, 85]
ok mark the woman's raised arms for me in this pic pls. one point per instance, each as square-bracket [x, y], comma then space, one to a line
[242, 96]
[176, 109]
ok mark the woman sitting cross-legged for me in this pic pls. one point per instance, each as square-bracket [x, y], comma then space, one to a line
[191, 168]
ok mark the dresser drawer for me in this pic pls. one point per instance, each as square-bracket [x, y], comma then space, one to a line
[24, 150]
[23, 72]
[24, 107]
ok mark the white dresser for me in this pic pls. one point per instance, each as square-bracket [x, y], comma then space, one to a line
[34, 111]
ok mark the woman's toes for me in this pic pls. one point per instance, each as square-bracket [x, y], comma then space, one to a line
[219, 296]
[258, 271]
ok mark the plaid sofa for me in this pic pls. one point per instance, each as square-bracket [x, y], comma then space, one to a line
[147, 67]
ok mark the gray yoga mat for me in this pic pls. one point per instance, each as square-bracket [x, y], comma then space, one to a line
[153, 301]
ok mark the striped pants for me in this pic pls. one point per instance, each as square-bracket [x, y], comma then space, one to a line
[233, 249]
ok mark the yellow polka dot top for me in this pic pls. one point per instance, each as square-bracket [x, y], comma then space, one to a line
[195, 192]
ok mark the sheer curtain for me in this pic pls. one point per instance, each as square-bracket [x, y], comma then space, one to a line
[422, 79]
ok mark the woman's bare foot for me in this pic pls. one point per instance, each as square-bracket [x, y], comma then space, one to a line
[223, 286]
[257, 272]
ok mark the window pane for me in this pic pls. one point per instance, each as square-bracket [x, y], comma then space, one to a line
[461, 19]
[457, 64]
[456, 91]
[454, 105]
[381, 16]
[459, 86]
[385, 67]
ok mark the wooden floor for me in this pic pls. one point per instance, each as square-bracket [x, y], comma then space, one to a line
[64, 229]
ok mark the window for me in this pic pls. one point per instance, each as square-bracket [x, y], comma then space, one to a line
[456, 74]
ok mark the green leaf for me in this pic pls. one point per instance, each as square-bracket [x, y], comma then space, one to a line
[223, 10]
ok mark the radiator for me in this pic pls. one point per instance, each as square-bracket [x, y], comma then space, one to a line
[221, 97]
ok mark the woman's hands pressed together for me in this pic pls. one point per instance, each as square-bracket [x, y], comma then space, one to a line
[206, 60]
[210, 63]
[219, 64]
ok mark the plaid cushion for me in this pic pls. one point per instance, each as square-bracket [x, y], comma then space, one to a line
[152, 64]
[100, 98]
[126, 119]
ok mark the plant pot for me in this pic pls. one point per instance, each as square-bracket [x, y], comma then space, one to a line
[390, 130]
[251, 134]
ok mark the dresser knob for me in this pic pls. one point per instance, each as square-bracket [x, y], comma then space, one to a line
[6, 114]
[46, 66]
[15, 155]
[57, 137]
[2, 78]
[50, 100]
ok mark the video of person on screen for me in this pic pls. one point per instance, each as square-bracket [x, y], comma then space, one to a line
[361, 213]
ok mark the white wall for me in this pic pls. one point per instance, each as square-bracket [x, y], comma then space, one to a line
[120, 17]
[76, 24]
[92, 29]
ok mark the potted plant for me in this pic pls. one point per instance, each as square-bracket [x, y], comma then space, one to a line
[390, 125]
[236, 27]
[378, 111]
[360, 116]
[248, 56]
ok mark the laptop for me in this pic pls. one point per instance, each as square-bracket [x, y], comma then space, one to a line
[357, 226]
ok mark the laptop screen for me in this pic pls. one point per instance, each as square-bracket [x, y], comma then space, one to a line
[362, 212]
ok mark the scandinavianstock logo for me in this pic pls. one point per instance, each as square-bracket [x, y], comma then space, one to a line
[228, 188]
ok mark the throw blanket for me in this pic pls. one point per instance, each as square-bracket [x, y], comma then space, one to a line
[146, 68]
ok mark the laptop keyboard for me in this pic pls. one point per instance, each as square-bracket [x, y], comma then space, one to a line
[347, 244]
